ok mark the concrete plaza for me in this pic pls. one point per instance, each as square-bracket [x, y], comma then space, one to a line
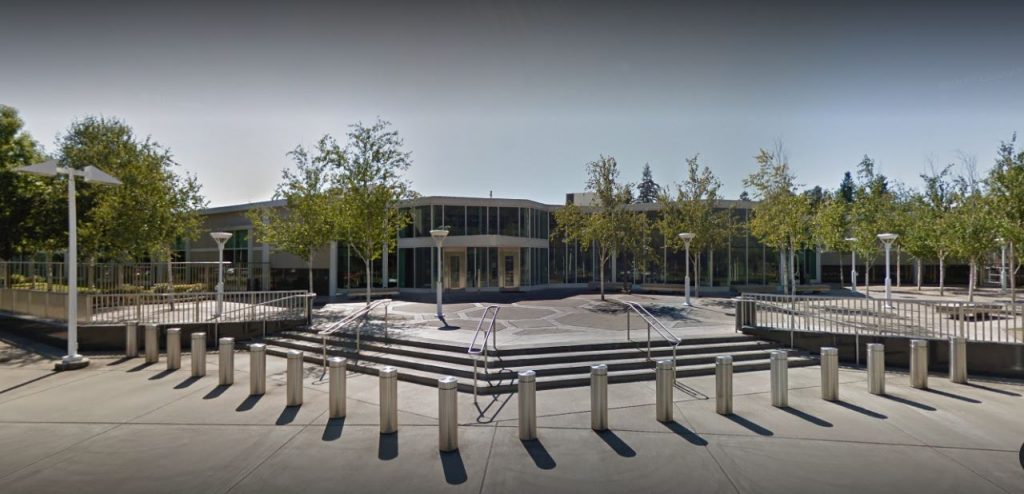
[122, 426]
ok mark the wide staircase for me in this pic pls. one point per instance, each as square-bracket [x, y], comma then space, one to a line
[556, 366]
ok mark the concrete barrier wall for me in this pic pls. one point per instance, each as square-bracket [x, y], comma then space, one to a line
[983, 358]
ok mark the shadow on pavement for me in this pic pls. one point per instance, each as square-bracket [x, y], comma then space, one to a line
[333, 430]
[616, 443]
[187, 382]
[952, 395]
[806, 416]
[162, 374]
[26, 383]
[994, 390]
[248, 403]
[288, 415]
[454, 468]
[912, 403]
[870, 413]
[756, 429]
[539, 454]
[387, 447]
[215, 392]
[685, 433]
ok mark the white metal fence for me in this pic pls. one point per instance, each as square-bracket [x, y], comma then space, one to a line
[135, 277]
[981, 321]
[159, 308]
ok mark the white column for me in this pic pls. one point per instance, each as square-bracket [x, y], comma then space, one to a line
[332, 283]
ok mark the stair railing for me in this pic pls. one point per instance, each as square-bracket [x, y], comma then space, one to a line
[349, 319]
[481, 351]
[652, 323]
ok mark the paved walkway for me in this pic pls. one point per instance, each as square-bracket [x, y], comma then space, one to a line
[120, 426]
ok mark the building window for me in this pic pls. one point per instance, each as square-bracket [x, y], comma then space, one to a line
[455, 219]
[492, 221]
[508, 219]
[476, 217]
[237, 247]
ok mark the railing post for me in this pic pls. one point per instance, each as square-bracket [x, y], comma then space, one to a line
[388, 400]
[337, 387]
[152, 343]
[448, 414]
[665, 375]
[173, 348]
[131, 339]
[627, 323]
[919, 364]
[527, 405]
[198, 354]
[599, 397]
[876, 368]
[958, 360]
[780, 378]
[830, 374]
[257, 369]
[293, 379]
[723, 384]
[226, 356]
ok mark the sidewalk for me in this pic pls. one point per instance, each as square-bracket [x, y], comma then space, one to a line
[121, 426]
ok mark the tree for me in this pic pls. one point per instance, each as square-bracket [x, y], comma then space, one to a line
[870, 214]
[1006, 188]
[829, 230]
[782, 219]
[311, 219]
[973, 224]
[847, 188]
[607, 225]
[145, 215]
[927, 235]
[19, 194]
[647, 190]
[692, 210]
[370, 186]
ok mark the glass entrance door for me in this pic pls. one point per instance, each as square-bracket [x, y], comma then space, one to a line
[510, 270]
[454, 272]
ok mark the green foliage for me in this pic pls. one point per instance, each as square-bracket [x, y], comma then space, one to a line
[20, 195]
[647, 190]
[370, 186]
[782, 218]
[830, 224]
[872, 212]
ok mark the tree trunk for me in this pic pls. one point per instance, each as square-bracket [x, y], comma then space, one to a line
[867, 278]
[942, 276]
[792, 269]
[696, 276]
[170, 278]
[311, 273]
[899, 283]
[919, 274]
[369, 280]
[970, 283]
[602, 280]
[49, 271]
[841, 271]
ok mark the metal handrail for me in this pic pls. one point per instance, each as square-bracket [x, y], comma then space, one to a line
[250, 307]
[482, 351]
[652, 322]
[334, 328]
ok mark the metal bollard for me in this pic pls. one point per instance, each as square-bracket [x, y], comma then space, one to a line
[599, 397]
[337, 384]
[958, 359]
[173, 348]
[388, 400]
[779, 361]
[448, 414]
[257, 369]
[876, 368]
[198, 354]
[226, 366]
[829, 374]
[919, 364]
[152, 343]
[665, 375]
[723, 384]
[527, 405]
[131, 339]
[293, 378]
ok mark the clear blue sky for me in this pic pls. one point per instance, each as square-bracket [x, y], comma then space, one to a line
[517, 97]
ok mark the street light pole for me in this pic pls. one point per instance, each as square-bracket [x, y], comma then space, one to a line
[439, 235]
[853, 264]
[687, 237]
[888, 239]
[73, 360]
[221, 238]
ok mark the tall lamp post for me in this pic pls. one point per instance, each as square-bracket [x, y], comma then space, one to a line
[221, 238]
[52, 168]
[687, 237]
[1002, 264]
[439, 235]
[853, 263]
[888, 239]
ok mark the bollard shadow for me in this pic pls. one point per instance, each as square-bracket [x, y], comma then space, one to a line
[215, 392]
[453, 467]
[141, 366]
[187, 382]
[751, 426]
[162, 374]
[806, 416]
[952, 395]
[905, 401]
[994, 390]
[870, 413]
[248, 403]
[539, 454]
[685, 433]
[616, 443]
[121, 361]
[288, 415]
[30, 381]
[333, 430]
[387, 447]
